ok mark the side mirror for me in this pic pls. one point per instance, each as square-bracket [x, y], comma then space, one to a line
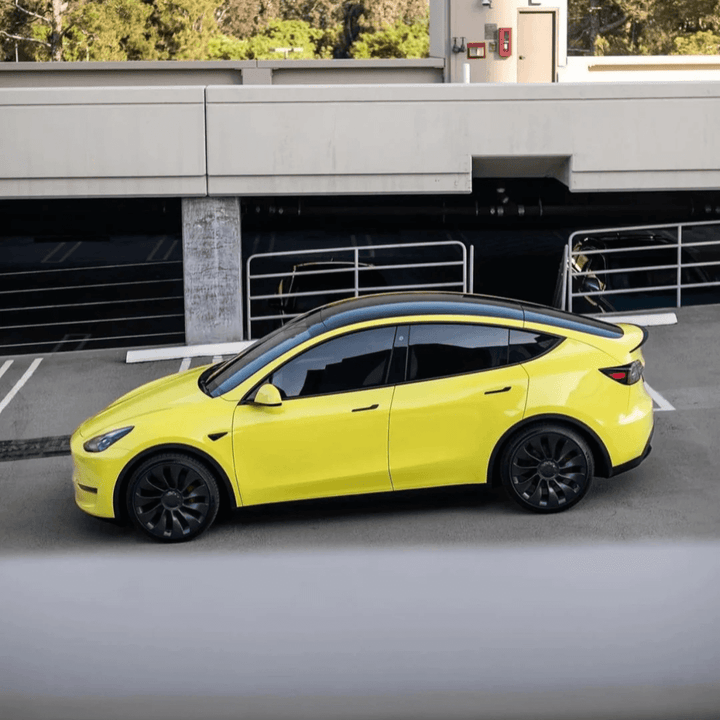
[268, 395]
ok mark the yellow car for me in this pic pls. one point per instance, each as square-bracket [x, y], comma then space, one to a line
[375, 394]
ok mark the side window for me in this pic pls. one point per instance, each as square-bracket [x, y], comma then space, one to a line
[440, 350]
[351, 362]
[525, 345]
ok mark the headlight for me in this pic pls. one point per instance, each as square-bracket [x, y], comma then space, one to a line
[103, 442]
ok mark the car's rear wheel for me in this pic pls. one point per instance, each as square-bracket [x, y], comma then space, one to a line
[172, 498]
[547, 468]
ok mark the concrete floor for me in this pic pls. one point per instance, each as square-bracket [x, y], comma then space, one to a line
[446, 603]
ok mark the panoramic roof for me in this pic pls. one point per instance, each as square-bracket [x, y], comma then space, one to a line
[388, 305]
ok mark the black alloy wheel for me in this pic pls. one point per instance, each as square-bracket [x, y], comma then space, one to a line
[547, 468]
[173, 498]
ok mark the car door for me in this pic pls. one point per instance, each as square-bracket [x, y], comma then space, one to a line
[329, 435]
[461, 395]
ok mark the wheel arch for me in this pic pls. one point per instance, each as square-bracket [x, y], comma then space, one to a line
[227, 496]
[603, 464]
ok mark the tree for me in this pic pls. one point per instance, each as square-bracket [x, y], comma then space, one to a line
[184, 28]
[699, 43]
[638, 27]
[111, 30]
[396, 41]
[37, 27]
[315, 43]
[76, 30]
[245, 18]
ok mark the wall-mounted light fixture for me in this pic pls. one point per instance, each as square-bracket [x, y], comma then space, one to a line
[458, 47]
[487, 3]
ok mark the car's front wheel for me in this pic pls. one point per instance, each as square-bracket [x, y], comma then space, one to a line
[172, 498]
[547, 468]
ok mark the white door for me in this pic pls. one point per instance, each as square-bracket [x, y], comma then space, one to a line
[536, 47]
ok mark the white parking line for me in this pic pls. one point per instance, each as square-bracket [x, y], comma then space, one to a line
[646, 319]
[169, 252]
[5, 366]
[660, 401]
[69, 252]
[172, 353]
[185, 364]
[49, 258]
[16, 388]
[52, 252]
[151, 256]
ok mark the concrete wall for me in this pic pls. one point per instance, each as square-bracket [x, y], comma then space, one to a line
[369, 139]
[645, 68]
[261, 140]
[102, 142]
[226, 72]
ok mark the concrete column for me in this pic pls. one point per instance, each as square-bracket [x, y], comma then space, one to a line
[212, 270]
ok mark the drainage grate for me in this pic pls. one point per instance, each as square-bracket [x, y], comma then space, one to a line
[34, 448]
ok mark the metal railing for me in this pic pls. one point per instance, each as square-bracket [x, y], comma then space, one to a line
[676, 252]
[102, 306]
[285, 266]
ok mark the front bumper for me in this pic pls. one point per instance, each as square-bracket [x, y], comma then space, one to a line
[94, 477]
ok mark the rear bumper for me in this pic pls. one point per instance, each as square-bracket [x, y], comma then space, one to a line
[619, 469]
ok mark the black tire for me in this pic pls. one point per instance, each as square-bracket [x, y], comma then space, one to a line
[172, 498]
[547, 468]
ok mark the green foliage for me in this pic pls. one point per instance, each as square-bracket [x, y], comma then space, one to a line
[396, 41]
[184, 28]
[699, 43]
[112, 30]
[293, 34]
[224, 47]
[641, 27]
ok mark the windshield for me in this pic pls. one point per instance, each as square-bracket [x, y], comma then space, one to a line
[219, 379]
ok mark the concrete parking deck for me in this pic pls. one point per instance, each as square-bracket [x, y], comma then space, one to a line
[674, 494]
[372, 607]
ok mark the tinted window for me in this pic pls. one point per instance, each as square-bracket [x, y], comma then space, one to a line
[351, 362]
[223, 377]
[440, 350]
[525, 346]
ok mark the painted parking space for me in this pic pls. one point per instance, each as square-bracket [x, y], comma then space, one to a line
[50, 396]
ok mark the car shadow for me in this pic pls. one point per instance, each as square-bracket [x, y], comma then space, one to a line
[370, 505]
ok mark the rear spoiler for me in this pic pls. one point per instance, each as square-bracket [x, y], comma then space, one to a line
[634, 334]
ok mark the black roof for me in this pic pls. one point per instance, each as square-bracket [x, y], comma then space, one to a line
[389, 305]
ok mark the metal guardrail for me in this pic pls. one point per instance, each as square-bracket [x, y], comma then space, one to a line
[354, 258]
[583, 280]
[95, 306]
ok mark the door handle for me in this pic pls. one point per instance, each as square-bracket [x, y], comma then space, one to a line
[495, 392]
[369, 407]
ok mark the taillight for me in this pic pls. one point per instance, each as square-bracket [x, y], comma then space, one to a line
[625, 374]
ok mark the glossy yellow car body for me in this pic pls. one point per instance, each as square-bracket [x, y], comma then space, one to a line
[214, 435]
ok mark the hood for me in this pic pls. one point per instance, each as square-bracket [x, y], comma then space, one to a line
[158, 395]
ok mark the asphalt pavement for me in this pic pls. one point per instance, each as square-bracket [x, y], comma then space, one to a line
[387, 606]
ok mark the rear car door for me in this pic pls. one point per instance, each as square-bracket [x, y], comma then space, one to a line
[460, 396]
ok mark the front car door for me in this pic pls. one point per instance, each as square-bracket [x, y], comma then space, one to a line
[460, 396]
[329, 436]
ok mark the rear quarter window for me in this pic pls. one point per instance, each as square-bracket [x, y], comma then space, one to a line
[525, 346]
